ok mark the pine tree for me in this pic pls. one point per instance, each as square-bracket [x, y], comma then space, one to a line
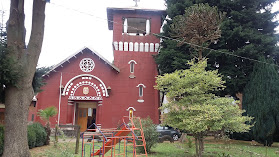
[261, 101]
[247, 30]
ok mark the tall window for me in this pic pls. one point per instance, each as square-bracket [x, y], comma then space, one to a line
[132, 65]
[136, 26]
[141, 86]
[140, 91]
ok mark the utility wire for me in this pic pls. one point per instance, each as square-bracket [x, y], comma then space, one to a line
[165, 37]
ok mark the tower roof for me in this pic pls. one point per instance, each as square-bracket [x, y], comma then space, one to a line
[139, 10]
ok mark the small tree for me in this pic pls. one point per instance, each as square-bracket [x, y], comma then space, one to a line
[45, 116]
[195, 108]
[150, 134]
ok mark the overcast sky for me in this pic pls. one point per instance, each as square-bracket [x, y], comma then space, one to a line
[71, 25]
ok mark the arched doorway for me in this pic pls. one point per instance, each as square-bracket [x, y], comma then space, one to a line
[85, 92]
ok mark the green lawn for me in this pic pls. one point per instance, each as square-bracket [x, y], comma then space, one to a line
[212, 148]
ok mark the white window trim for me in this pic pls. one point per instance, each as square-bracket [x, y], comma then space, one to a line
[141, 85]
[130, 108]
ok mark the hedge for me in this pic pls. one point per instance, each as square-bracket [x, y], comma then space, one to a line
[36, 134]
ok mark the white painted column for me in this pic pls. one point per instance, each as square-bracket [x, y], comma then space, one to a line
[131, 46]
[115, 44]
[146, 47]
[125, 46]
[157, 45]
[147, 27]
[141, 47]
[120, 46]
[151, 49]
[136, 46]
[125, 26]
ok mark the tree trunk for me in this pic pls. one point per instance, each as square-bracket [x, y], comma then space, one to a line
[16, 111]
[182, 139]
[201, 145]
[18, 97]
[197, 146]
[240, 97]
[200, 54]
[48, 133]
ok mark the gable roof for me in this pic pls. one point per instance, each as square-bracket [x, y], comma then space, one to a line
[85, 49]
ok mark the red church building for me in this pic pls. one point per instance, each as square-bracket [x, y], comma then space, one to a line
[86, 88]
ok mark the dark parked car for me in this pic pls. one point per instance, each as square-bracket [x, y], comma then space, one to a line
[168, 133]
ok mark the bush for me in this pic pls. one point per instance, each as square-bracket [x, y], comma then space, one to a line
[1, 139]
[36, 136]
[41, 134]
[150, 134]
[31, 134]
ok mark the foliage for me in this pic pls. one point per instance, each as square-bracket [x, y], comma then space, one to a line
[189, 142]
[31, 134]
[247, 30]
[9, 71]
[41, 134]
[47, 113]
[38, 80]
[261, 101]
[199, 26]
[195, 108]
[150, 134]
[1, 139]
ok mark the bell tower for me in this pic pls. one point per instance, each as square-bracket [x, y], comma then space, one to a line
[133, 32]
[134, 45]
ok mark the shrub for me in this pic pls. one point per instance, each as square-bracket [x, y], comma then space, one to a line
[1, 139]
[150, 134]
[31, 134]
[36, 136]
[40, 134]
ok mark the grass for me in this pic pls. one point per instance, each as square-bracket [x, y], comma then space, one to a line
[218, 148]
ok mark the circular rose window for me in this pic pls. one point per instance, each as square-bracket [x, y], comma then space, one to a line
[86, 65]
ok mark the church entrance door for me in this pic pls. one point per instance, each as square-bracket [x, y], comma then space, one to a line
[82, 118]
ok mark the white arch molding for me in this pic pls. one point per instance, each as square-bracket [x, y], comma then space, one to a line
[85, 75]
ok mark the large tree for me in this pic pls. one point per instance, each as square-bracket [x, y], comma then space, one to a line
[18, 96]
[247, 30]
[261, 101]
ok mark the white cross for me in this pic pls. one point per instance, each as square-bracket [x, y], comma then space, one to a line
[136, 2]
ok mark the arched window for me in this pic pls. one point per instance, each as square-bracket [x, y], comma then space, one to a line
[141, 86]
[132, 65]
